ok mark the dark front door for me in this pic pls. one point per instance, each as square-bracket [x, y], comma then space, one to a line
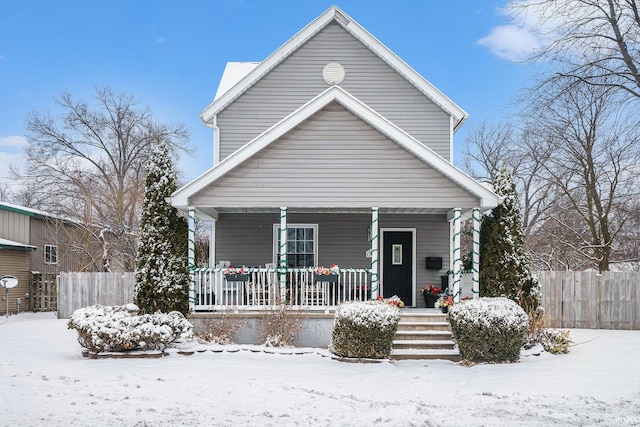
[397, 265]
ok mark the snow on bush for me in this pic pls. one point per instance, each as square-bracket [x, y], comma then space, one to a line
[113, 328]
[364, 329]
[489, 329]
[556, 341]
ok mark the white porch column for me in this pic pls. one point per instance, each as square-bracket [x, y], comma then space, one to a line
[212, 245]
[456, 254]
[191, 255]
[375, 253]
[283, 254]
[475, 216]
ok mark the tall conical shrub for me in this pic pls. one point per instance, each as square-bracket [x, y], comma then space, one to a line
[505, 266]
[161, 276]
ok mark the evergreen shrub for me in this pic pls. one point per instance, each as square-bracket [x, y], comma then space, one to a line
[556, 341]
[489, 329]
[364, 329]
[114, 328]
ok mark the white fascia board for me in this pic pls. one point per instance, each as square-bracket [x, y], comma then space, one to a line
[415, 78]
[335, 93]
[269, 63]
[409, 143]
[351, 26]
[180, 197]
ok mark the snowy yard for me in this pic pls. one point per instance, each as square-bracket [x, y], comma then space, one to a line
[44, 380]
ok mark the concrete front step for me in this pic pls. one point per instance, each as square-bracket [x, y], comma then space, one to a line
[423, 317]
[421, 326]
[424, 344]
[423, 335]
[416, 354]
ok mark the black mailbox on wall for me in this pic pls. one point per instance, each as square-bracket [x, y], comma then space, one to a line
[434, 263]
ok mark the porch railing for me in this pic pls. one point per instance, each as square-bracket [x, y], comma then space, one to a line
[262, 287]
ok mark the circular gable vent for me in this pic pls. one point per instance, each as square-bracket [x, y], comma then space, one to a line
[333, 73]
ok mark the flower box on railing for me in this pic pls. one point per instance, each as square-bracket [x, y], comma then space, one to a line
[237, 277]
[325, 278]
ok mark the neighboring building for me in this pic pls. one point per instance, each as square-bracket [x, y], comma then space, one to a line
[34, 247]
[331, 151]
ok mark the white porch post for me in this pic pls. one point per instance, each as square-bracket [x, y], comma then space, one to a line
[191, 255]
[475, 289]
[456, 254]
[375, 254]
[283, 254]
[212, 245]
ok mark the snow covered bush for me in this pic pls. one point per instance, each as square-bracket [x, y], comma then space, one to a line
[278, 326]
[364, 329]
[556, 341]
[106, 328]
[489, 329]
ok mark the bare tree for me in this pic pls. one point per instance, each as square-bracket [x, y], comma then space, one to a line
[588, 150]
[87, 163]
[490, 146]
[594, 42]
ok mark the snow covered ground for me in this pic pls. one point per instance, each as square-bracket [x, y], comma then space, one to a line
[44, 380]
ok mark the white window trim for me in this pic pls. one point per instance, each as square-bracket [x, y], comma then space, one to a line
[46, 246]
[276, 233]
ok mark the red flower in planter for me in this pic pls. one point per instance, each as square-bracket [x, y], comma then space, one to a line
[431, 289]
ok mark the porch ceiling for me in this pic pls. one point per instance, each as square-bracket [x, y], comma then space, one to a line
[212, 212]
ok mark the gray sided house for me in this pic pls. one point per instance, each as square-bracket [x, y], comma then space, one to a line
[330, 151]
[34, 247]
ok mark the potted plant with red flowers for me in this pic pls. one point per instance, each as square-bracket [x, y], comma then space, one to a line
[430, 293]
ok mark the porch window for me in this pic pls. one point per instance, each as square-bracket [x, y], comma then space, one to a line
[302, 243]
[50, 254]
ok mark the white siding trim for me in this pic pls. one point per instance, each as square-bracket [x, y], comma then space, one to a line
[487, 198]
[330, 15]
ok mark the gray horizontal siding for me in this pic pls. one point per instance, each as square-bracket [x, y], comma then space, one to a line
[334, 160]
[299, 78]
[247, 239]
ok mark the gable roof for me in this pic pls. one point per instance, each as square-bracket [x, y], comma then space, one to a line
[488, 199]
[333, 14]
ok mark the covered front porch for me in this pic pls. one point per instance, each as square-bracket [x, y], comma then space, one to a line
[267, 257]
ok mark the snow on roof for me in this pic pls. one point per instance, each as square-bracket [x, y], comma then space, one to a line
[34, 212]
[233, 73]
[10, 243]
[22, 209]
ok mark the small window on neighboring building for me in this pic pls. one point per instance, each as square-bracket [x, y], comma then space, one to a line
[50, 254]
[302, 243]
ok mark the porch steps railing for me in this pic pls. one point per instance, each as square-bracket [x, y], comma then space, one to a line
[424, 335]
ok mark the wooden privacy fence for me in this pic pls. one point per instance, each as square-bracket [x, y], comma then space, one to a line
[571, 299]
[588, 300]
[77, 290]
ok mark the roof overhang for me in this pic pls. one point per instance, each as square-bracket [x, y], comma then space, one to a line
[334, 14]
[10, 244]
[487, 198]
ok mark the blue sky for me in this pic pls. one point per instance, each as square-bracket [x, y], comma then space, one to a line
[170, 55]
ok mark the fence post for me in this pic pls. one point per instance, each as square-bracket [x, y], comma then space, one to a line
[598, 299]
